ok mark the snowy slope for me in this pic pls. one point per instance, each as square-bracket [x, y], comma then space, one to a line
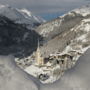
[20, 16]
[76, 36]
[58, 32]
[66, 21]
[29, 15]
[84, 11]
[13, 78]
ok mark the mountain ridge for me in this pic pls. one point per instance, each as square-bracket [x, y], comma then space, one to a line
[21, 16]
[66, 35]
[61, 25]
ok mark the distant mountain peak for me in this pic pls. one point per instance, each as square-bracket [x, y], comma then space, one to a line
[2, 5]
[84, 10]
[22, 16]
[27, 13]
[24, 10]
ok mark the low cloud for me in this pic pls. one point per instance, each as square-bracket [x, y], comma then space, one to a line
[46, 6]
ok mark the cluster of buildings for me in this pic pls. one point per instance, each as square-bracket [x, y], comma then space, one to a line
[51, 68]
[65, 60]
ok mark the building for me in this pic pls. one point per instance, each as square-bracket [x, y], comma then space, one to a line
[39, 59]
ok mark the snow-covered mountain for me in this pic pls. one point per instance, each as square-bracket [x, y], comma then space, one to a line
[60, 32]
[84, 10]
[23, 16]
[29, 15]
[68, 34]
[67, 20]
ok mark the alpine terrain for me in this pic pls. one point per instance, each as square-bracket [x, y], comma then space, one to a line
[21, 16]
[65, 39]
[45, 50]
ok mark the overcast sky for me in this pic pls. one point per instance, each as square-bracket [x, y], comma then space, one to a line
[46, 6]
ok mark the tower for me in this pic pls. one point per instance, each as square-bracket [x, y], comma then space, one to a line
[39, 58]
[65, 63]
